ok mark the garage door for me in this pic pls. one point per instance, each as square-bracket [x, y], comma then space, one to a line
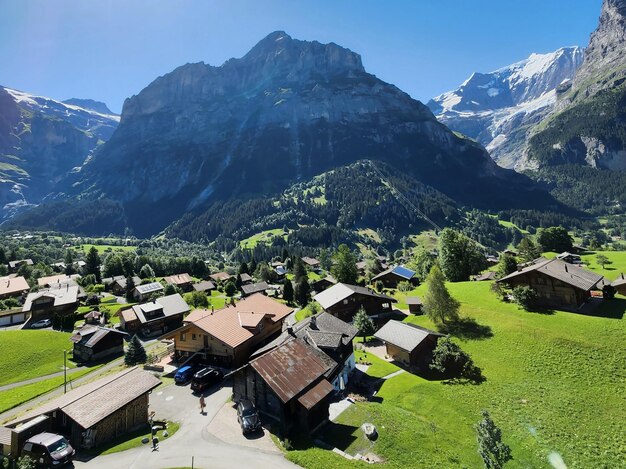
[19, 318]
[5, 320]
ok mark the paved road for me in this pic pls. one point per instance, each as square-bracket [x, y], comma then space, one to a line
[70, 371]
[193, 439]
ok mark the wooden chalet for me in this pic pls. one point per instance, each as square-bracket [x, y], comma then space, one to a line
[620, 285]
[343, 301]
[15, 265]
[62, 300]
[204, 286]
[252, 288]
[156, 317]
[322, 284]
[13, 287]
[408, 344]
[289, 385]
[95, 343]
[557, 283]
[227, 337]
[182, 281]
[415, 304]
[393, 276]
[142, 292]
[95, 413]
[221, 277]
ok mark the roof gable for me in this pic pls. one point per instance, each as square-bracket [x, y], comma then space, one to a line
[404, 335]
[567, 273]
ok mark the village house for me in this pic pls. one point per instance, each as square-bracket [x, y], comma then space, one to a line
[57, 280]
[221, 277]
[13, 286]
[311, 262]
[156, 317]
[95, 343]
[228, 336]
[343, 301]
[15, 265]
[182, 281]
[289, 386]
[62, 300]
[118, 285]
[245, 279]
[204, 286]
[280, 272]
[391, 277]
[557, 283]
[620, 285]
[329, 334]
[94, 413]
[415, 304]
[322, 284]
[485, 277]
[570, 258]
[93, 317]
[408, 344]
[251, 289]
[142, 292]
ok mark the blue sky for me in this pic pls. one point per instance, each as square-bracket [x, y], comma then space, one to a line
[110, 49]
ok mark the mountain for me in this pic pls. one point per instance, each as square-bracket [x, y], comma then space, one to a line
[286, 111]
[90, 105]
[498, 108]
[41, 141]
[589, 127]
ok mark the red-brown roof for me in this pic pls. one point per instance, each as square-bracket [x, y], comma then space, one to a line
[220, 276]
[314, 395]
[11, 286]
[290, 369]
[227, 324]
[180, 279]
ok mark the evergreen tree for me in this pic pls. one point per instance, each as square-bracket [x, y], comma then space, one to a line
[507, 265]
[288, 291]
[494, 452]
[130, 286]
[135, 353]
[527, 250]
[230, 289]
[92, 263]
[243, 268]
[364, 323]
[299, 270]
[238, 281]
[69, 263]
[253, 265]
[439, 305]
[146, 271]
[303, 292]
[285, 255]
[325, 260]
[3, 256]
[344, 269]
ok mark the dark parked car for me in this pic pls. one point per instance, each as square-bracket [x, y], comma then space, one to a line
[184, 374]
[48, 450]
[205, 378]
[248, 417]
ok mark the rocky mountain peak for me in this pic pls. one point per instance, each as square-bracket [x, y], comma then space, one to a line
[605, 59]
[90, 104]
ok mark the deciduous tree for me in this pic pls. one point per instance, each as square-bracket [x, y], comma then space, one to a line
[492, 449]
[438, 303]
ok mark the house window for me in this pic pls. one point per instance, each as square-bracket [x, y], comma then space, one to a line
[385, 305]
[345, 302]
[193, 336]
[182, 336]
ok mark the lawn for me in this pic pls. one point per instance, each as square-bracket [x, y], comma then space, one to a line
[134, 439]
[262, 237]
[555, 384]
[16, 396]
[610, 271]
[28, 354]
[102, 248]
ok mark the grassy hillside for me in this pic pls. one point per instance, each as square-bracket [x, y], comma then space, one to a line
[555, 385]
[30, 354]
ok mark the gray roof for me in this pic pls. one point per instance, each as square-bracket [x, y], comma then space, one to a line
[89, 336]
[341, 291]
[64, 295]
[205, 285]
[171, 306]
[560, 270]
[149, 288]
[413, 300]
[254, 288]
[404, 335]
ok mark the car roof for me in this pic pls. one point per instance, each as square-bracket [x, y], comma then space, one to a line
[205, 371]
[44, 438]
[246, 404]
[182, 369]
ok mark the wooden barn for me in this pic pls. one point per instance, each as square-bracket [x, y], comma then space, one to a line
[343, 301]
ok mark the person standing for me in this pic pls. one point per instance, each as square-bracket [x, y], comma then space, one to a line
[202, 404]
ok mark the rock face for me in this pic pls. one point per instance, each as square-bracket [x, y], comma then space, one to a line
[287, 110]
[497, 108]
[41, 141]
[589, 125]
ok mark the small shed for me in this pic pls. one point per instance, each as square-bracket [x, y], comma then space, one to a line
[95, 343]
[408, 344]
[415, 304]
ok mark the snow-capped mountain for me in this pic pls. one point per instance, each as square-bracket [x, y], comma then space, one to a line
[41, 141]
[497, 108]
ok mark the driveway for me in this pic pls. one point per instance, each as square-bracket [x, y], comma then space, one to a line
[192, 439]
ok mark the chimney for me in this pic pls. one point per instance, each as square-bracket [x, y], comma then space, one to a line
[290, 330]
[313, 322]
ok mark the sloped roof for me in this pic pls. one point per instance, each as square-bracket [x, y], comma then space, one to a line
[93, 402]
[567, 273]
[314, 395]
[290, 369]
[404, 335]
[310, 261]
[619, 281]
[205, 285]
[13, 264]
[57, 280]
[250, 320]
[12, 285]
[220, 276]
[64, 295]
[245, 277]
[89, 336]
[341, 291]
[149, 288]
[180, 279]
[413, 300]
[400, 271]
[226, 325]
[254, 288]
[171, 306]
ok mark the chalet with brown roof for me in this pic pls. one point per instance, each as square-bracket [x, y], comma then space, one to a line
[289, 386]
[45, 303]
[13, 286]
[204, 286]
[228, 336]
[221, 277]
[98, 412]
[391, 277]
[156, 317]
[311, 262]
[557, 283]
[246, 279]
[182, 281]
[57, 280]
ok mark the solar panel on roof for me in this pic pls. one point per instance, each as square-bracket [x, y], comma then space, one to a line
[403, 272]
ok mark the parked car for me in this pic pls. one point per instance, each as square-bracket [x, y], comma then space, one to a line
[41, 324]
[248, 417]
[205, 378]
[48, 450]
[184, 374]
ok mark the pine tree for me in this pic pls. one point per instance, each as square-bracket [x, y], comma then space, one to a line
[439, 305]
[69, 263]
[130, 286]
[288, 291]
[303, 292]
[243, 268]
[527, 250]
[364, 323]
[230, 288]
[92, 263]
[494, 452]
[507, 265]
[345, 270]
[135, 353]
[299, 270]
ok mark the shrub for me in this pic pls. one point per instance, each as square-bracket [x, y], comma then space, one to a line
[526, 297]
[452, 362]
[405, 286]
